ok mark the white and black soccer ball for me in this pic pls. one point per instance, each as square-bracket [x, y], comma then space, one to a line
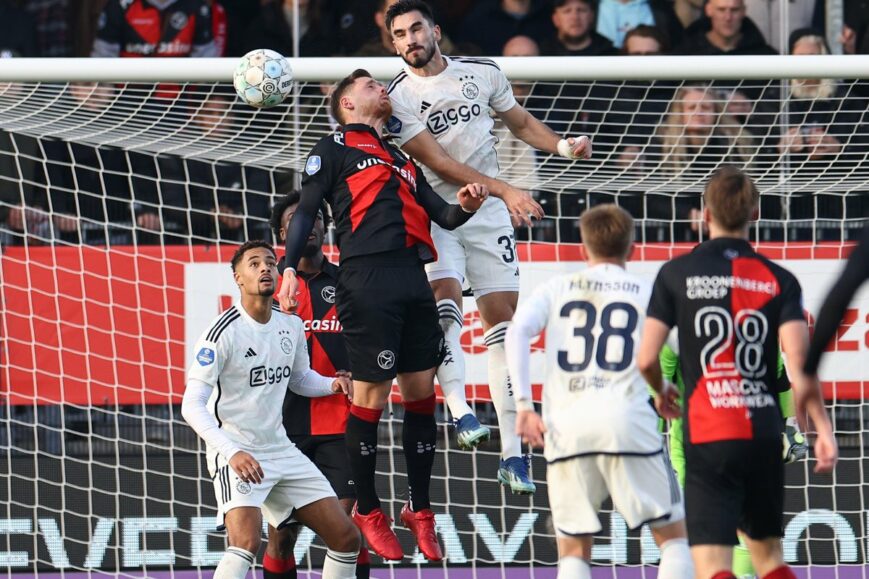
[263, 78]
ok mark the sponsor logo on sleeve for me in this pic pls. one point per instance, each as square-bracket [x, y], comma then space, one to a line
[393, 125]
[313, 164]
[205, 357]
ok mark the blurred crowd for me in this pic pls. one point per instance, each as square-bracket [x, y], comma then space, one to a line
[52, 190]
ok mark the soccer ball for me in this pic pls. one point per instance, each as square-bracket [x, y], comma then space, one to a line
[263, 78]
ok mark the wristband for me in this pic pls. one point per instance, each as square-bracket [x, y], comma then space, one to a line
[524, 405]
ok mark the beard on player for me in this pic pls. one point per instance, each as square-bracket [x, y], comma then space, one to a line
[419, 58]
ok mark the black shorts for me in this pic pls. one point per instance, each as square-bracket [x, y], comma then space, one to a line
[734, 484]
[329, 454]
[388, 316]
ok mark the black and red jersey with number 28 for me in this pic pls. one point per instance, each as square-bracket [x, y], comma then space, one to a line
[728, 303]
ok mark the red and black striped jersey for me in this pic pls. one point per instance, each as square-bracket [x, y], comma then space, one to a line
[380, 199]
[316, 298]
[162, 28]
[728, 303]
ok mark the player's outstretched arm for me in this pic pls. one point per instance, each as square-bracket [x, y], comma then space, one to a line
[533, 131]
[833, 310]
[425, 149]
[808, 399]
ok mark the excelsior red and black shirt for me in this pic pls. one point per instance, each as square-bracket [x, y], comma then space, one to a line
[162, 28]
[380, 199]
[728, 303]
[326, 415]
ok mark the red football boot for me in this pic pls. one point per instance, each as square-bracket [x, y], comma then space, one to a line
[377, 532]
[422, 525]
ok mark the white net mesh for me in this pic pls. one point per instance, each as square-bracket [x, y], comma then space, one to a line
[119, 205]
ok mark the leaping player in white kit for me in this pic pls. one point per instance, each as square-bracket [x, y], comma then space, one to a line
[245, 361]
[600, 432]
[443, 110]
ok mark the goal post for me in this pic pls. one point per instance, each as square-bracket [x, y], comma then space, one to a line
[125, 185]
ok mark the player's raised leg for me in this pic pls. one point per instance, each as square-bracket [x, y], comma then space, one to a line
[496, 310]
[451, 373]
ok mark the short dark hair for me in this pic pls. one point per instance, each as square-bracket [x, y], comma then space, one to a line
[291, 198]
[248, 245]
[590, 3]
[607, 230]
[646, 31]
[341, 88]
[731, 197]
[278, 209]
[406, 6]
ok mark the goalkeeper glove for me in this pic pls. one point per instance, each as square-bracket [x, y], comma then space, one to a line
[794, 445]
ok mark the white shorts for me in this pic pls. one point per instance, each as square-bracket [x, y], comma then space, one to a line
[289, 483]
[643, 489]
[481, 252]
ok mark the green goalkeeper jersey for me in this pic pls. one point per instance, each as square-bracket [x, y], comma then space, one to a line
[670, 368]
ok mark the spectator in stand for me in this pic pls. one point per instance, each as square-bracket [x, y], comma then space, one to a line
[17, 32]
[493, 22]
[219, 27]
[53, 20]
[160, 200]
[696, 136]
[688, 11]
[824, 124]
[382, 45]
[616, 17]
[822, 120]
[228, 199]
[516, 158]
[645, 41]
[273, 27]
[326, 29]
[725, 30]
[574, 31]
[164, 28]
[766, 15]
[638, 106]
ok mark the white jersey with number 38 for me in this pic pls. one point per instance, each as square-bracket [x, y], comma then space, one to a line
[457, 107]
[594, 399]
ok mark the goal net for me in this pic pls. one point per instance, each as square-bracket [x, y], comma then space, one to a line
[123, 192]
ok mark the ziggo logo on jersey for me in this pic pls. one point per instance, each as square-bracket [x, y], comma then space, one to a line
[441, 121]
[260, 376]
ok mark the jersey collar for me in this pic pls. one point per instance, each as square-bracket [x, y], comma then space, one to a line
[741, 246]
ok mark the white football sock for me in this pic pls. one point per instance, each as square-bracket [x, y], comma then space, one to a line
[451, 372]
[501, 390]
[676, 560]
[234, 564]
[573, 568]
[339, 565]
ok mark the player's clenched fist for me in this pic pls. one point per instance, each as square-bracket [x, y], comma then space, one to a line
[471, 196]
[246, 467]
